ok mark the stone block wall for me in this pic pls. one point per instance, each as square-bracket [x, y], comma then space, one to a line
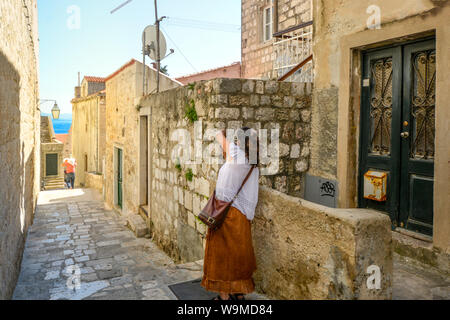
[220, 103]
[257, 55]
[308, 251]
[19, 133]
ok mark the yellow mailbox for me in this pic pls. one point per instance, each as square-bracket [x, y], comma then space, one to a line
[375, 185]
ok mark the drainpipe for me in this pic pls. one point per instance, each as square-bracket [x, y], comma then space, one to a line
[275, 15]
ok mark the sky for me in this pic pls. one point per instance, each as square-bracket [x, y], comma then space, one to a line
[83, 36]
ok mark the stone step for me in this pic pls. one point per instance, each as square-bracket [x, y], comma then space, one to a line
[54, 181]
[58, 185]
[53, 178]
[55, 187]
[137, 224]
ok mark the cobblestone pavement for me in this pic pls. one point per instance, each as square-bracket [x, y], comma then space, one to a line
[81, 236]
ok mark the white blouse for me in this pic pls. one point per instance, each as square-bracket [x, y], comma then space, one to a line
[230, 178]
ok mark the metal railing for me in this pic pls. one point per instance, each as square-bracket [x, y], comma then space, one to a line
[291, 48]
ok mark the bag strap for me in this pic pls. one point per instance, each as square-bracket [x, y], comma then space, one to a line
[243, 182]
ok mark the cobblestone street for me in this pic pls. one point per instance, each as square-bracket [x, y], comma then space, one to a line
[76, 230]
[73, 232]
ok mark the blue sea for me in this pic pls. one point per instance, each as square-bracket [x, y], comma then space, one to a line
[62, 125]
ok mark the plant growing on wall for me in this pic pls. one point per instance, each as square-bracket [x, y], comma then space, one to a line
[164, 70]
[191, 113]
[189, 175]
[178, 165]
[191, 86]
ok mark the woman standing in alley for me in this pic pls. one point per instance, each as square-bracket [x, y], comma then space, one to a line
[229, 256]
[69, 170]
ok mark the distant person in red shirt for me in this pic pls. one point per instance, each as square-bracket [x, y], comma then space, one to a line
[69, 165]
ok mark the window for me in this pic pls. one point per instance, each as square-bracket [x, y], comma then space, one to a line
[268, 23]
[85, 163]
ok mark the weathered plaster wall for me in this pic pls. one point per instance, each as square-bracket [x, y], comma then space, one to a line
[19, 133]
[257, 55]
[308, 251]
[340, 32]
[94, 181]
[220, 103]
[123, 89]
[88, 135]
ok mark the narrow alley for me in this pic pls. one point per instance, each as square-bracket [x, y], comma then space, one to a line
[73, 232]
[72, 228]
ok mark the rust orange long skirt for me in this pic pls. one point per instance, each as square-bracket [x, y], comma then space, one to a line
[229, 256]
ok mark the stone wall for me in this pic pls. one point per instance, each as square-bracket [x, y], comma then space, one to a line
[257, 55]
[220, 103]
[308, 251]
[123, 91]
[88, 134]
[67, 151]
[94, 181]
[19, 133]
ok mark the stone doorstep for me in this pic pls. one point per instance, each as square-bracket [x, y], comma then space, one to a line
[420, 248]
[137, 225]
[191, 266]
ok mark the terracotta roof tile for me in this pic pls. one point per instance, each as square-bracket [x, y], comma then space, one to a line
[62, 137]
[94, 79]
[207, 71]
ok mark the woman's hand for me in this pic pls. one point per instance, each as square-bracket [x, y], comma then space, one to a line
[223, 142]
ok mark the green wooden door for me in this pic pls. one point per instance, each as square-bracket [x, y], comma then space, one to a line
[397, 131]
[119, 177]
[418, 132]
[51, 164]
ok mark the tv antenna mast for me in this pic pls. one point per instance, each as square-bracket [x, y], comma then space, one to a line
[153, 44]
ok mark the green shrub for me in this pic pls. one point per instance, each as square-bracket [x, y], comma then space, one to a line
[189, 175]
[191, 113]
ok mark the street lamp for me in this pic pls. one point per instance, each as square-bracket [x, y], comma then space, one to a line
[55, 110]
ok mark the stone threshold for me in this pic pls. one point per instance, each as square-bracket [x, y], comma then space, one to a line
[420, 248]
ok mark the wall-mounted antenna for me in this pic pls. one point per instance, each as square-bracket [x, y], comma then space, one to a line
[152, 47]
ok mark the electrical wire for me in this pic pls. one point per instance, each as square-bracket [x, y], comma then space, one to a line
[205, 25]
[181, 52]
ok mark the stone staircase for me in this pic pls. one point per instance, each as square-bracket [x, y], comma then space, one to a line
[137, 224]
[53, 183]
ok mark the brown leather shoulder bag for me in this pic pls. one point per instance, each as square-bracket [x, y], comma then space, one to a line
[215, 211]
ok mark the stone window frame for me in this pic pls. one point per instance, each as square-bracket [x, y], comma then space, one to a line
[264, 23]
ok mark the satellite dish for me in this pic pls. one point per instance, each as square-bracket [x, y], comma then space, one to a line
[149, 43]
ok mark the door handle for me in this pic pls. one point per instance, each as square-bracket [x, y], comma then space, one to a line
[404, 134]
